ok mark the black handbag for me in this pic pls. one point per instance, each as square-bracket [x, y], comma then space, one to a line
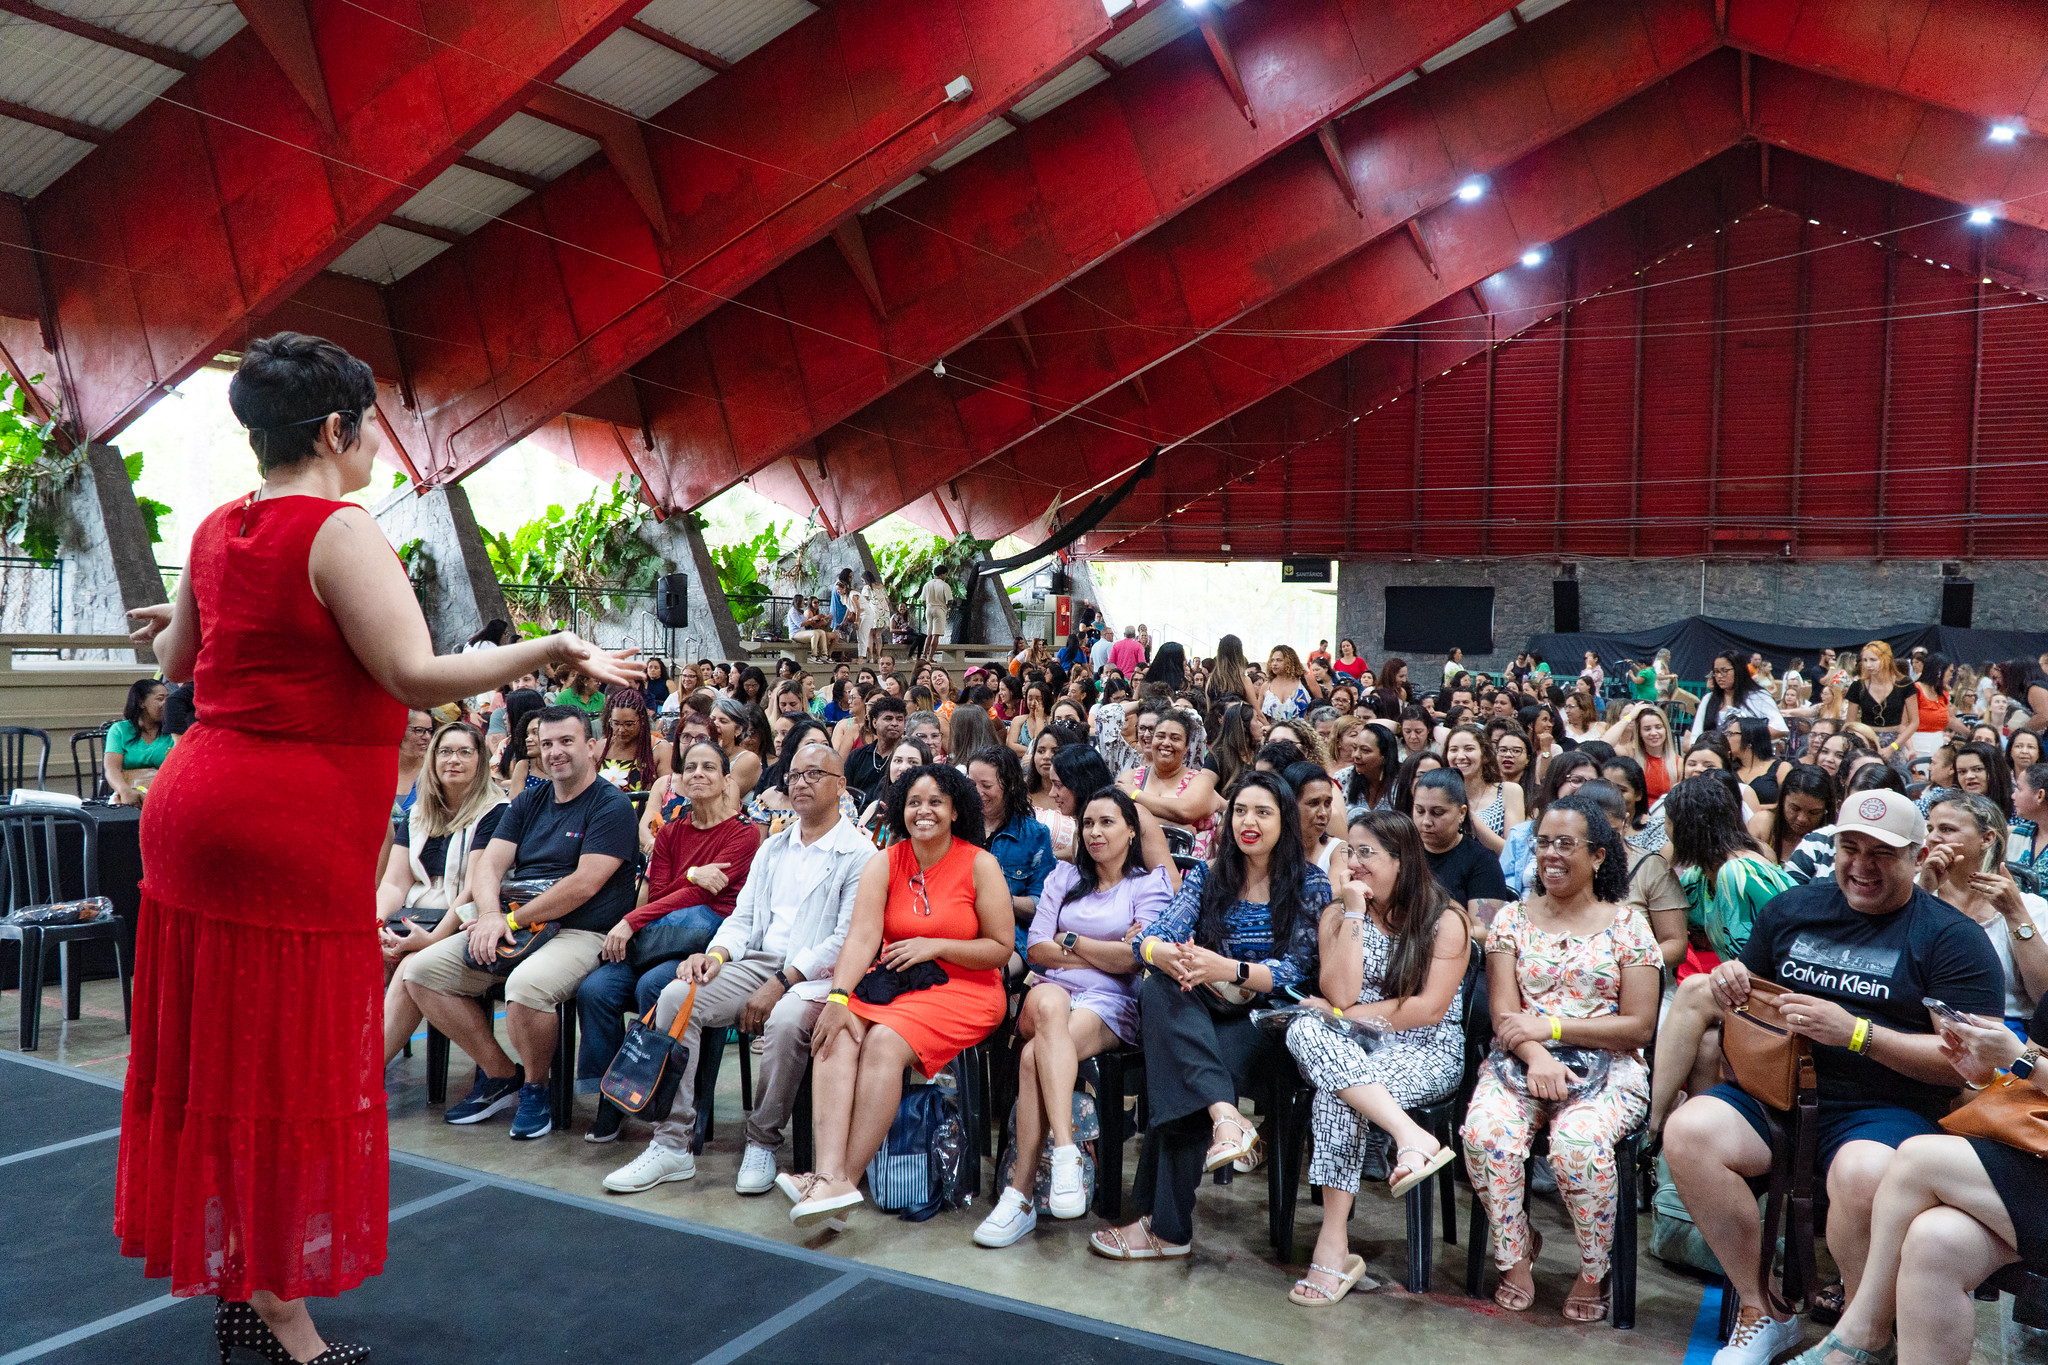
[883, 984]
[643, 1077]
[514, 896]
[661, 941]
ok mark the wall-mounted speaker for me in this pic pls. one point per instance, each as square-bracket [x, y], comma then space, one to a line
[1564, 605]
[672, 600]
[1958, 596]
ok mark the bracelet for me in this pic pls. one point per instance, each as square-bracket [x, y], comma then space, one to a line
[1337, 1010]
[724, 958]
[836, 998]
[511, 923]
[1556, 1029]
[1358, 915]
[1150, 943]
[1859, 1041]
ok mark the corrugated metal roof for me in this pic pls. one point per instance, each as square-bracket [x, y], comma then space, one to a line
[994, 131]
[729, 28]
[636, 74]
[56, 73]
[387, 254]
[1531, 9]
[32, 157]
[527, 144]
[903, 188]
[1165, 23]
[194, 27]
[1061, 88]
[1500, 27]
[462, 200]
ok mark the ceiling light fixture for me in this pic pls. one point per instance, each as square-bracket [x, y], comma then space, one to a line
[1981, 217]
[1533, 256]
[1472, 188]
[2004, 132]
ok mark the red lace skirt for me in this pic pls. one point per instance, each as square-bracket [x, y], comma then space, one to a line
[253, 1134]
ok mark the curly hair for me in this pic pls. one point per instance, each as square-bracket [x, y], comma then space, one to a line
[967, 818]
[1705, 822]
[1610, 878]
[1009, 779]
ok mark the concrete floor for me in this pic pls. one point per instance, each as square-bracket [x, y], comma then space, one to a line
[1231, 1293]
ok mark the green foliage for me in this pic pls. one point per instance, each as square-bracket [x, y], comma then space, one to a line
[152, 510]
[594, 544]
[32, 470]
[907, 564]
[419, 564]
[739, 571]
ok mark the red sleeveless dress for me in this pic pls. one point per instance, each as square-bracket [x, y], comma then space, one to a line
[253, 1142]
[939, 1022]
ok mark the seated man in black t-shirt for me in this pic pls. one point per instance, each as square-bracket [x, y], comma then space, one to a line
[1859, 953]
[578, 833]
[1461, 865]
[868, 764]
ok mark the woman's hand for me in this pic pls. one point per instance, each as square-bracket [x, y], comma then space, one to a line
[2004, 894]
[1979, 1048]
[605, 665]
[1935, 865]
[1198, 966]
[1517, 1029]
[404, 936]
[1550, 1079]
[127, 796]
[150, 622]
[833, 1020]
[905, 953]
[1730, 981]
[710, 876]
[613, 949]
[1166, 956]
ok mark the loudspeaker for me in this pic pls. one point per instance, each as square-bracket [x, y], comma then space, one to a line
[672, 600]
[1957, 597]
[1564, 605]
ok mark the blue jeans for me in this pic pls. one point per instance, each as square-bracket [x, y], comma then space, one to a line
[602, 999]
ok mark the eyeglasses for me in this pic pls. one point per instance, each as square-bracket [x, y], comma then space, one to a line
[420, 731]
[806, 776]
[924, 898]
[1561, 843]
[1365, 853]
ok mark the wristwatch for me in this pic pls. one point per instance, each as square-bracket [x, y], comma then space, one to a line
[1244, 972]
[2023, 1065]
[1069, 939]
[778, 975]
[2024, 933]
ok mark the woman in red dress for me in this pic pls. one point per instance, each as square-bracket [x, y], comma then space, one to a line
[253, 1138]
[934, 896]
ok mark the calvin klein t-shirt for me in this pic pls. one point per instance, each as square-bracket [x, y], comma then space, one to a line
[552, 835]
[1809, 940]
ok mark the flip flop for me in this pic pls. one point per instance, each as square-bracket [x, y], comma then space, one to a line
[1307, 1294]
[1417, 1174]
[1230, 1151]
[1112, 1244]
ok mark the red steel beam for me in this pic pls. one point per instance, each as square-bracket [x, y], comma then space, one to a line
[1895, 140]
[1270, 231]
[212, 205]
[1015, 223]
[1603, 254]
[571, 286]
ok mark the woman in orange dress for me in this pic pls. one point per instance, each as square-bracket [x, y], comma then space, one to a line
[934, 896]
[253, 1161]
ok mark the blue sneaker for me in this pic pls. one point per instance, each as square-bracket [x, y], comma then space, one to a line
[487, 1097]
[536, 1116]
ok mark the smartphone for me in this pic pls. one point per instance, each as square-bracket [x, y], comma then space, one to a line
[1946, 1011]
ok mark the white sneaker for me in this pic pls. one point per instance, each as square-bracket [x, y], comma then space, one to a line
[757, 1171]
[1069, 1198]
[1009, 1220]
[652, 1167]
[1756, 1342]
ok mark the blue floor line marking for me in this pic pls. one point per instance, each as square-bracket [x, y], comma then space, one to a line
[1706, 1328]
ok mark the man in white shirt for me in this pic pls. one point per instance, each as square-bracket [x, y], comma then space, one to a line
[937, 595]
[1454, 664]
[1098, 653]
[767, 969]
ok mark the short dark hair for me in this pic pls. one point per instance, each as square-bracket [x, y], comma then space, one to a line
[287, 385]
[550, 714]
[886, 705]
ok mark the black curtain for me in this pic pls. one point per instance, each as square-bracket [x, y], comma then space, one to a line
[1695, 640]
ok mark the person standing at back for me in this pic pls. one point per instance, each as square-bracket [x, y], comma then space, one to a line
[1126, 655]
[1099, 653]
[254, 1158]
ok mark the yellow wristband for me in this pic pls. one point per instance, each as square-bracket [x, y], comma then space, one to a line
[1860, 1039]
[1148, 950]
[1556, 1029]
[724, 957]
[1337, 1010]
[836, 998]
[511, 923]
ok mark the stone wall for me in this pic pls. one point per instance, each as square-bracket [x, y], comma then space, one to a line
[1623, 594]
[108, 564]
[991, 620]
[460, 591]
[711, 633]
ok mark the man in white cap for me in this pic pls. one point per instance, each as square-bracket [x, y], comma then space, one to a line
[1857, 954]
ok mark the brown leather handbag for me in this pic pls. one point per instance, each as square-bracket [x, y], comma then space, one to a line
[2009, 1110]
[1762, 1054]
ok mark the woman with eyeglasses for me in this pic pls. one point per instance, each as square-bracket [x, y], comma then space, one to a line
[934, 897]
[1731, 691]
[1518, 855]
[1395, 952]
[1571, 966]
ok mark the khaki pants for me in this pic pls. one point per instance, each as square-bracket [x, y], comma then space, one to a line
[784, 1054]
[817, 642]
[543, 981]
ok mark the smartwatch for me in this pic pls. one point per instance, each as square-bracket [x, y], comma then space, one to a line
[1069, 939]
[2023, 1065]
[1244, 972]
[778, 975]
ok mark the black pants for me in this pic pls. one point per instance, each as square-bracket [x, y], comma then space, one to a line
[1192, 1060]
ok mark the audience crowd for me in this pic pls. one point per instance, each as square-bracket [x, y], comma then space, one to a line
[1118, 846]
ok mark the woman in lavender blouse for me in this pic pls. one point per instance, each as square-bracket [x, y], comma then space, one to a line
[1085, 1001]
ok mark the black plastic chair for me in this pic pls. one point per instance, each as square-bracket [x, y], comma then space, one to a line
[1179, 842]
[2029, 1293]
[14, 758]
[88, 777]
[1119, 1075]
[713, 1043]
[561, 1071]
[31, 841]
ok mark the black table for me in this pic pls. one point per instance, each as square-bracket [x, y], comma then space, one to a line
[118, 837]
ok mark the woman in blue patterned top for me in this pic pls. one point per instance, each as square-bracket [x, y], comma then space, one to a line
[1243, 927]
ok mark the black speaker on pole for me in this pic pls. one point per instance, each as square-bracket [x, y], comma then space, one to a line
[1564, 605]
[1958, 595]
[672, 600]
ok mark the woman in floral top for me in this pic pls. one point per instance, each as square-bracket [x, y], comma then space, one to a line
[1241, 928]
[1569, 966]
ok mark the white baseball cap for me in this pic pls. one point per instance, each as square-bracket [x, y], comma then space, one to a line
[1886, 816]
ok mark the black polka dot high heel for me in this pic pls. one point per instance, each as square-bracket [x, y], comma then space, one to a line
[238, 1326]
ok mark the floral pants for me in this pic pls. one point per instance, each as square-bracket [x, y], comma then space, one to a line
[1499, 1132]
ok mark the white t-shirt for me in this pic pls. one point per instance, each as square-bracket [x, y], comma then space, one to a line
[1757, 704]
[2018, 1005]
[797, 872]
[938, 595]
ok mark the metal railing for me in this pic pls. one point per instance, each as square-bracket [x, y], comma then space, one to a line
[24, 578]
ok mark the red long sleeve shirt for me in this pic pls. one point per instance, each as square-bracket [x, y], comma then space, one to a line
[680, 846]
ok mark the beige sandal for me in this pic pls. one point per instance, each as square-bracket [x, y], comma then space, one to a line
[1512, 1296]
[1222, 1153]
[1113, 1244]
[1428, 1167]
[1308, 1294]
